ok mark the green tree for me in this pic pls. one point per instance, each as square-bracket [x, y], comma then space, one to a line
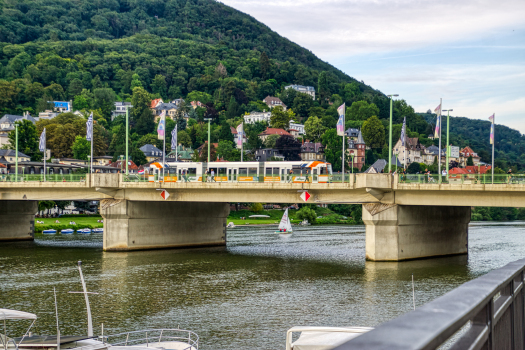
[28, 140]
[183, 138]
[270, 141]
[279, 118]
[322, 87]
[413, 168]
[314, 129]
[141, 114]
[302, 104]
[373, 132]
[75, 88]
[256, 207]
[159, 85]
[202, 97]
[105, 99]
[470, 161]
[135, 82]
[264, 65]
[361, 110]
[306, 213]
[81, 148]
[333, 144]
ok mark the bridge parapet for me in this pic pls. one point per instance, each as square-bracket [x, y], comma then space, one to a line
[485, 313]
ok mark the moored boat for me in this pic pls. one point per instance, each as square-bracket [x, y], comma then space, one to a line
[67, 231]
[49, 232]
[285, 226]
[98, 230]
[322, 338]
[84, 231]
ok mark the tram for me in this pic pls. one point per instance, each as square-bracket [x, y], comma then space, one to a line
[296, 172]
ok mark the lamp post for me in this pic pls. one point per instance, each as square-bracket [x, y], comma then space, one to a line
[448, 143]
[127, 141]
[209, 120]
[16, 154]
[390, 135]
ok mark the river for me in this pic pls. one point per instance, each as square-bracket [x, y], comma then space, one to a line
[244, 295]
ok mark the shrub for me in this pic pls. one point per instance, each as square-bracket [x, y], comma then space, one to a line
[256, 207]
[308, 214]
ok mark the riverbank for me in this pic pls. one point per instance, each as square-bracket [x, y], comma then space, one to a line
[325, 216]
[81, 222]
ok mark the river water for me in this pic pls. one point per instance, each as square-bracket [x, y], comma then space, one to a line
[245, 295]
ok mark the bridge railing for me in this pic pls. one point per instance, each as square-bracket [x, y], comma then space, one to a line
[40, 178]
[467, 179]
[336, 178]
[485, 313]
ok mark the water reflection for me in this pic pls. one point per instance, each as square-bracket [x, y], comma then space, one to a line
[249, 292]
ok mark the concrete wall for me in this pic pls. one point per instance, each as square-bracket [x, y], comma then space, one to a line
[413, 232]
[132, 225]
[17, 220]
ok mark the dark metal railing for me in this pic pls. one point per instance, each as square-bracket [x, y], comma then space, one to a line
[485, 313]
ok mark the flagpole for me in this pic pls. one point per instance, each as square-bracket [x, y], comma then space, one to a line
[91, 151]
[16, 155]
[45, 155]
[163, 155]
[440, 116]
[493, 143]
[344, 127]
[127, 142]
[242, 140]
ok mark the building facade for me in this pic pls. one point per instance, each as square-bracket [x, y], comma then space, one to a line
[312, 151]
[266, 154]
[309, 90]
[274, 102]
[120, 109]
[357, 149]
[413, 151]
[255, 117]
[273, 131]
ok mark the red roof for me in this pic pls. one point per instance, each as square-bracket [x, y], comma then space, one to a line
[458, 171]
[117, 164]
[233, 130]
[155, 102]
[470, 169]
[467, 151]
[2, 166]
[274, 131]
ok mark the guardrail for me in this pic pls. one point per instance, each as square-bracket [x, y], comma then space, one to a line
[239, 178]
[150, 337]
[40, 178]
[485, 313]
[467, 179]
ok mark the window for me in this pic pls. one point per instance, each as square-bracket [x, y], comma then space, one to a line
[252, 171]
[243, 171]
[222, 172]
[192, 171]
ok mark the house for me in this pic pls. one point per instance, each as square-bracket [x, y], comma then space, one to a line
[467, 152]
[10, 156]
[196, 104]
[7, 124]
[47, 114]
[312, 151]
[155, 103]
[62, 106]
[274, 102]
[272, 131]
[310, 90]
[266, 154]
[120, 109]
[429, 154]
[171, 111]
[151, 152]
[177, 102]
[255, 117]
[413, 151]
[184, 154]
[352, 133]
[356, 147]
[236, 137]
[203, 149]
[121, 165]
[102, 160]
[71, 161]
[297, 127]
[377, 167]
[3, 168]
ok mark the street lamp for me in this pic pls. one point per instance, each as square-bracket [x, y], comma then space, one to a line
[448, 143]
[208, 120]
[352, 156]
[390, 133]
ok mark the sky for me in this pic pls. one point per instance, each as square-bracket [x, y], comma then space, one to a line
[469, 53]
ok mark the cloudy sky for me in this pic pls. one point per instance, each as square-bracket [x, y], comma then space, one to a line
[470, 53]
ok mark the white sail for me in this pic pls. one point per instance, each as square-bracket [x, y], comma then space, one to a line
[285, 222]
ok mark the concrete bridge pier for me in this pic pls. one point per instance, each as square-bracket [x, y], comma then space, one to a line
[136, 225]
[402, 232]
[17, 220]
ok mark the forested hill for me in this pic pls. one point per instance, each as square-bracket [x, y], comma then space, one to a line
[160, 36]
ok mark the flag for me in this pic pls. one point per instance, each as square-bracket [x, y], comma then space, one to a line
[42, 144]
[437, 132]
[89, 127]
[341, 121]
[403, 131]
[174, 138]
[491, 118]
[240, 135]
[162, 126]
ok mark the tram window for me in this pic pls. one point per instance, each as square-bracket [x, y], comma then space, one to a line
[222, 171]
[243, 171]
[275, 171]
[252, 171]
[192, 171]
[322, 171]
[297, 171]
[212, 169]
[268, 172]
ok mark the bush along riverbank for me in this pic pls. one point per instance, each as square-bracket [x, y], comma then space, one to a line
[81, 221]
[497, 214]
[334, 214]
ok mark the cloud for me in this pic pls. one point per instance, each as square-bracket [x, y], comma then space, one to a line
[337, 27]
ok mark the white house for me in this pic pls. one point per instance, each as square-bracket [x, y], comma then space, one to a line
[310, 90]
[255, 117]
[120, 109]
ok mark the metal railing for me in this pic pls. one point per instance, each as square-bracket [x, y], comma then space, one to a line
[150, 337]
[485, 313]
[40, 177]
[467, 179]
[337, 178]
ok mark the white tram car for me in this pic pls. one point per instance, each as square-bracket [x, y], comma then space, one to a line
[297, 172]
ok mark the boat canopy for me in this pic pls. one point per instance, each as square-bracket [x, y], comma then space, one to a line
[259, 216]
[6, 314]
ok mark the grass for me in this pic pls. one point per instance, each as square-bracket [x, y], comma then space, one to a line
[329, 217]
[81, 222]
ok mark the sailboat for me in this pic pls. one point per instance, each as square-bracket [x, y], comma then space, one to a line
[285, 226]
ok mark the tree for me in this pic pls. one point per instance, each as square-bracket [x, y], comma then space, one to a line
[333, 144]
[159, 85]
[225, 132]
[264, 65]
[373, 132]
[141, 114]
[105, 99]
[314, 129]
[361, 110]
[75, 88]
[28, 139]
[279, 118]
[289, 147]
[270, 141]
[470, 161]
[322, 87]
[183, 138]
[256, 207]
[228, 151]
[306, 213]
[81, 148]
[302, 104]
[202, 97]
[135, 82]
[413, 168]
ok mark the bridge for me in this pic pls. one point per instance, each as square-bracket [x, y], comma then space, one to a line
[406, 217]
